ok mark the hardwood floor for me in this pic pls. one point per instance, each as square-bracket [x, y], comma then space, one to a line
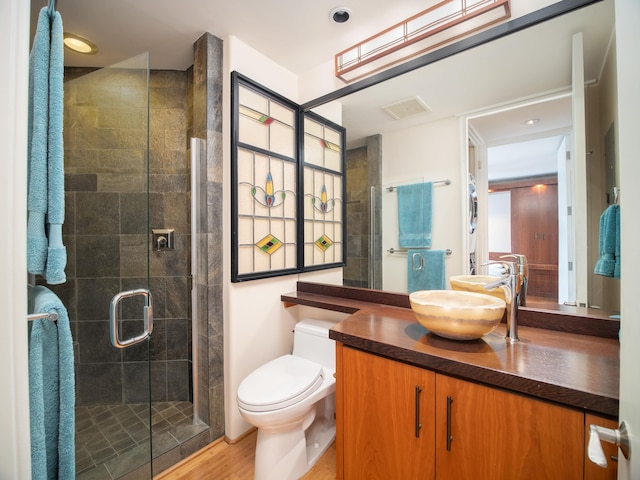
[222, 461]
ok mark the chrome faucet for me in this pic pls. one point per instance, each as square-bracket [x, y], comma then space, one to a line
[523, 273]
[510, 278]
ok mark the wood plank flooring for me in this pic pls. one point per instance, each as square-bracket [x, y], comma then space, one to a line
[221, 461]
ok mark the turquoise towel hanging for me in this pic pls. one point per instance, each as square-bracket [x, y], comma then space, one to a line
[608, 263]
[37, 146]
[51, 390]
[46, 253]
[425, 270]
[415, 212]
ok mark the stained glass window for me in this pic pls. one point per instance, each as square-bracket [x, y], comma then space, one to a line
[285, 219]
[324, 192]
[265, 183]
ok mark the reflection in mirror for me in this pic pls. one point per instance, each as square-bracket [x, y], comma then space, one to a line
[400, 143]
[526, 205]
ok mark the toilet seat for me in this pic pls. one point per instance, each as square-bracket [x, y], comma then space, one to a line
[279, 383]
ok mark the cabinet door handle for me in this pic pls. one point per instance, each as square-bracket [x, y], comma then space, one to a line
[449, 436]
[418, 424]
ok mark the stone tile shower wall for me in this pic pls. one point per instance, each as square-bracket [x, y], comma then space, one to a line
[363, 171]
[105, 232]
[206, 103]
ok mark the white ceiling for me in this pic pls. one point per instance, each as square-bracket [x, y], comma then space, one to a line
[297, 35]
[517, 149]
[300, 36]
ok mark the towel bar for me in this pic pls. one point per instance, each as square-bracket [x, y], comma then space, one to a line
[404, 250]
[446, 182]
[39, 316]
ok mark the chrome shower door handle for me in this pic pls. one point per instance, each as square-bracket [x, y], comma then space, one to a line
[113, 317]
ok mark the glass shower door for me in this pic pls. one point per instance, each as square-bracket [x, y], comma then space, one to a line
[107, 231]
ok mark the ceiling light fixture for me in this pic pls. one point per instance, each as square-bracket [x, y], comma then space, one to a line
[340, 14]
[532, 121]
[79, 44]
[432, 28]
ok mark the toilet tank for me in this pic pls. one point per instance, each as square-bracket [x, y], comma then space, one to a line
[311, 341]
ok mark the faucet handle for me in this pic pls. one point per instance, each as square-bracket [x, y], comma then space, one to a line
[521, 262]
[509, 267]
[518, 257]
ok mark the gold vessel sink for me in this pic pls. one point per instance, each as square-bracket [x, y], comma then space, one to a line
[476, 283]
[458, 315]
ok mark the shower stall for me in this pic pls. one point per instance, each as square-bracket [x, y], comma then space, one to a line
[127, 172]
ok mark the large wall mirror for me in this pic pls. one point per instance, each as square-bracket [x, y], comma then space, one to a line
[464, 113]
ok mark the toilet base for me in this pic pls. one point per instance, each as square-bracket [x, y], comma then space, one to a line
[287, 453]
[319, 438]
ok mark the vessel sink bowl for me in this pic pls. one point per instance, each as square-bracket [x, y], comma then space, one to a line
[472, 283]
[476, 283]
[457, 315]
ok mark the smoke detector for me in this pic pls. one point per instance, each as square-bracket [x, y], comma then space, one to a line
[407, 108]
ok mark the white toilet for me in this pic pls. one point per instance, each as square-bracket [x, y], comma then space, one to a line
[291, 400]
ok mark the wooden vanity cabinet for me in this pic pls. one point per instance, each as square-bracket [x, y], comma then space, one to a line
[591, 470]
[501, 435]
[387, 424]
[494, 434]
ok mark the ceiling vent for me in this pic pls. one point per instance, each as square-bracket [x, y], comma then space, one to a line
[407, 108]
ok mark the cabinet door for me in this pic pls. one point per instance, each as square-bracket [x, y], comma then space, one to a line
[388, 419]
[534, 223]
[499, 435]
[591, 470]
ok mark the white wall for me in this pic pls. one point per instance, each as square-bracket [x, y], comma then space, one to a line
[499, 219]
[318, 81]
[428, 152]
[15, 458]
[628, 84]
[257, 327]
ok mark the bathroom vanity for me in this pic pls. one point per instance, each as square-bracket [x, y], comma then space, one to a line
[410, 404]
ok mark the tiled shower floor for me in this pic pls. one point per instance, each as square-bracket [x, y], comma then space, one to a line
[113, 440]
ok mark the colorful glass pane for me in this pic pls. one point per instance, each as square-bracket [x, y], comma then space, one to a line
[323, 243]
[330, 145]
[269, 244]
[259, 117]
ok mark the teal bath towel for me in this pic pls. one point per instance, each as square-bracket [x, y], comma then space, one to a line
[37, 147]
[57, 253]
[415, 211]
[425, 270]
[608, 263]
[46, 254]
[616, 268]
[51, 390]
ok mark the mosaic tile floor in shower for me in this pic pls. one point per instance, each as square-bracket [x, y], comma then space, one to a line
[113, 440]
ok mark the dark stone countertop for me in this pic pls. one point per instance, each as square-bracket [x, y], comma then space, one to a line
[575, 370]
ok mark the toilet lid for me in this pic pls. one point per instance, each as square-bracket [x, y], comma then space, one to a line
[279, 383]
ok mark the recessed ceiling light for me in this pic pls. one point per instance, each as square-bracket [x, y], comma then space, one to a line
[79, 44]
[340, 14]
[532, 121]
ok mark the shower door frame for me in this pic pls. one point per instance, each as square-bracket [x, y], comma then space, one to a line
[107, 160]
